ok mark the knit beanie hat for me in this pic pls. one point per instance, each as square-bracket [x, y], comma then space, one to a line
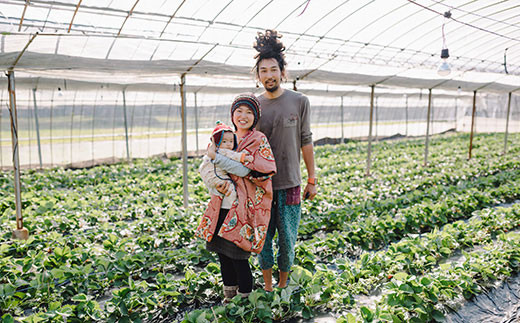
[251, 102]
[218, 133]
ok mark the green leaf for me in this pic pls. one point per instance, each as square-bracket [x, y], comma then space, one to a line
[399, 258]
[202, 318]
[426, 281]
[220, 310]
[432, 296]
[80, 298]
[401, 276]
[386, 317]
[213, 268]
[123, 309]
[7, 318]
[350, 318]
[53, 306]
[445, 251]
[438, 316]
[445, 266]
[392, 299]
[366, 313]
[286, 295]
[307, 312]
[419, 310]
[3, 248]
[254, 297]
[406, 289]
[301, 275]
[65, 311]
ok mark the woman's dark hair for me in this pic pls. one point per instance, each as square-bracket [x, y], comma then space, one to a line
[268, 45]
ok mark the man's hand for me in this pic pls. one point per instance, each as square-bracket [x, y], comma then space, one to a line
[308, 158]
[310, 192]
[212, 150]
[224, 188]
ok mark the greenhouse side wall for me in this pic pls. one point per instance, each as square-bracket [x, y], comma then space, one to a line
[85, 128]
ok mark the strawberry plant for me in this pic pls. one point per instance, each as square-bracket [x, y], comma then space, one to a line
[114, 243]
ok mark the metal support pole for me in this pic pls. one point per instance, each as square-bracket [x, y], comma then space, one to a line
[37, 122]
[507, 122]
[1, 150]
[376, 114]
[184, 143]
[406, 114]
[20, 232]
[456, 111]
[196, 124]
[432, 117]
[126, 127]
[472, 122]
[370, 129]
[428, 127]
[167, 128]
[342, 130]
[72, 126]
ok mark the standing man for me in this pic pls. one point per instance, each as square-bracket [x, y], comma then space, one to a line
[286, 123]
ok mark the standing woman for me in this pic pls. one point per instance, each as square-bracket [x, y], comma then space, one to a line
[236, 232]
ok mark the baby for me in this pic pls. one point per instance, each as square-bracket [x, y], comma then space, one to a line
[226, 143]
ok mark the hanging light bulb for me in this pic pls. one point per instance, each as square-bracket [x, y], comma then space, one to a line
[444, 66]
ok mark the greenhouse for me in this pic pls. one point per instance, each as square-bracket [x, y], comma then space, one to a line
[108, 107]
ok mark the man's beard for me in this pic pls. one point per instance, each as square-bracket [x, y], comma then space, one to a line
[273, 88]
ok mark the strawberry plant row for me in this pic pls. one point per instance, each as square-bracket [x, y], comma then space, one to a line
[112, 234]
[422, 298]
[418, 254]
[402, 262]
[376, 231]
[352, 194]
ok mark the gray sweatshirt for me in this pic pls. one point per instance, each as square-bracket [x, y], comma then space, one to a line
[286, 123]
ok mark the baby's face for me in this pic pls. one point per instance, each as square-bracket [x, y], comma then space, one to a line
[227, 140]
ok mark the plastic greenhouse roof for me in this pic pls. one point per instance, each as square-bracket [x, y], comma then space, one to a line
[345, 42]
[43, 83]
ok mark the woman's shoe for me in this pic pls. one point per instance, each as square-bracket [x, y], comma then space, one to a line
[244, 295]
[229, 293]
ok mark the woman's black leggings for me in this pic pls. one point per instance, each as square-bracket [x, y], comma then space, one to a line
[236, 272]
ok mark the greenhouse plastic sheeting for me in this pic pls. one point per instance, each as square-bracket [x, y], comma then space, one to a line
[81, 128]
[356, 42]
[72, 62]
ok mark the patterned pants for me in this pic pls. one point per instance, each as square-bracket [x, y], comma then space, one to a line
[286, 219]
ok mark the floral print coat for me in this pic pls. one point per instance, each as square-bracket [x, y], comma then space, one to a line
[247, 221]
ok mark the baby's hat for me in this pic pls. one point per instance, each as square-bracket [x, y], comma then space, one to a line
[218, 133]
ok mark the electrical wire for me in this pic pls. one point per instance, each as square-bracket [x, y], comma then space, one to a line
[465, 23]
[447, 16]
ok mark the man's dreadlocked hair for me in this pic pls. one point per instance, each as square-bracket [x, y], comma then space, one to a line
[268, 45]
